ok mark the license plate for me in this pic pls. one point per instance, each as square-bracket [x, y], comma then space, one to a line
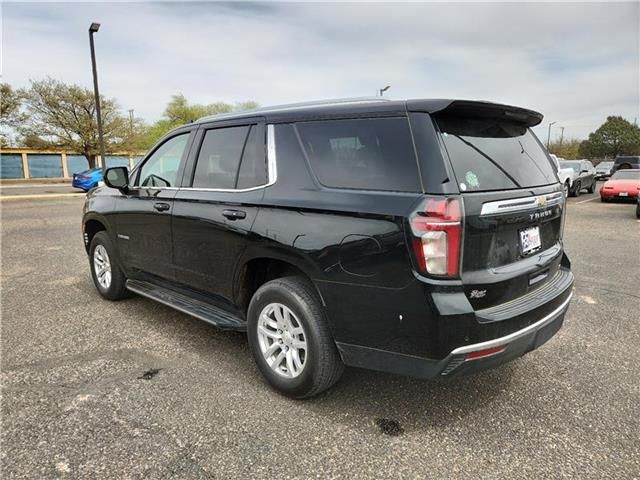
[623, 194]
[530, 240]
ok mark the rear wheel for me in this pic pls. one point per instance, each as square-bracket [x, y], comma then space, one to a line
[575, 191]
[106, 274]
[592, 188]
[290, 339]
[638, 210]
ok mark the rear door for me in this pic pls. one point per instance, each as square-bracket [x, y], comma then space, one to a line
[513, 207]
[217, 205]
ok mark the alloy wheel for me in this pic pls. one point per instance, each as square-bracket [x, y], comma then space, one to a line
[282, 340]
[102, 266]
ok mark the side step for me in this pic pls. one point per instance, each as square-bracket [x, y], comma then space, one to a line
[195, 307]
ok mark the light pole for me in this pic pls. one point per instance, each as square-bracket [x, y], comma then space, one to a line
[549, 134]
[131, 121]
[93, 28]
[382, 90]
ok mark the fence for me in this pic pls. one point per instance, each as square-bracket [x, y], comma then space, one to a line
[19, 163]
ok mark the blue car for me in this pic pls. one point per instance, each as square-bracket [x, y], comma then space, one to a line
[88, 179]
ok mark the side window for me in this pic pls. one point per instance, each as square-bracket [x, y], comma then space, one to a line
[371, 154]
[219, 157]
[253, 169]
[232, 158]
[161, 168]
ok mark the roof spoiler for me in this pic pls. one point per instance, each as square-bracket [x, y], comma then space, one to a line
[471, 108]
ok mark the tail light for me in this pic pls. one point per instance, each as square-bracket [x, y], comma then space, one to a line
[437, 236]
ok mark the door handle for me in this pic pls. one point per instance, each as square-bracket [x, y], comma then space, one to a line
[234, 214]
[161, 206]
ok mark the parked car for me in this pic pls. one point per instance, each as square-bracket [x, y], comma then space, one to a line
[604, 170]
[624, 184]
[88, 179]
[584, 176]
[626, 162]
[417, 237]
[565, 175]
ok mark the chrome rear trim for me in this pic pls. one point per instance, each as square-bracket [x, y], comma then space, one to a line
[515, 335]
[520, 204]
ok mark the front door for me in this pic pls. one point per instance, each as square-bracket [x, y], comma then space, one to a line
[143, 213]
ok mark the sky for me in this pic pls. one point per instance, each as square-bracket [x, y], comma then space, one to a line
[576, 62]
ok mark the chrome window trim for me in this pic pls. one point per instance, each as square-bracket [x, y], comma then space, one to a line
[272, 172]
[523, 203]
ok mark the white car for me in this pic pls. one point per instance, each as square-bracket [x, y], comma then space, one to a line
[566, 175]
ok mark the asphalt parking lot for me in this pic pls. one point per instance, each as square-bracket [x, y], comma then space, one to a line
[76, 402]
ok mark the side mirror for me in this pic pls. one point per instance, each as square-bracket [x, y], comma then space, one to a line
[117, 177]
[584, 171]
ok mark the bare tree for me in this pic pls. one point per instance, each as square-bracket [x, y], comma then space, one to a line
[63, 116]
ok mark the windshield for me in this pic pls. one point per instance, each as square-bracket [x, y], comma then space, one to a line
[574, 165]
[603, 165]
[626, 175]
[491, 154]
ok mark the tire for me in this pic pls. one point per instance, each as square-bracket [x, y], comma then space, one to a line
[566, 189]
[638, 210]
[602, 199]
[292, 301]
[112, 288]
[592, 188]
[575, 191]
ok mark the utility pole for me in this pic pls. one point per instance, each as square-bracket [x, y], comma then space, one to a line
[549, 134]
[93, 28]
[131, 121]
[382, 90]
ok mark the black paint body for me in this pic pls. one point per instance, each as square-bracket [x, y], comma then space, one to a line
[352, 244]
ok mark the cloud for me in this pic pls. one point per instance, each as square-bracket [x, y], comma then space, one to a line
[576, 63]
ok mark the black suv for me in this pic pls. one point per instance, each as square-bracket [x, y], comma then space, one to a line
[418, 237]
[625, 162]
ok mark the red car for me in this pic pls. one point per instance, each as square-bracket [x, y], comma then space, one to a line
[623, 184]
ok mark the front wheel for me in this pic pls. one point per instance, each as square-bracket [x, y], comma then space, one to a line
[566, 189]
[290, 339]
[592, 188]
[106, 274]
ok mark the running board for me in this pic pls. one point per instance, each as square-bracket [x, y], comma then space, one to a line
[191, 306]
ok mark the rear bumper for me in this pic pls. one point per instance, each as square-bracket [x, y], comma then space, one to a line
[465, 359]
[616, 194]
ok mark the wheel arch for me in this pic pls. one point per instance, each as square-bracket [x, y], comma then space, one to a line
[90, 226]
[255, 269]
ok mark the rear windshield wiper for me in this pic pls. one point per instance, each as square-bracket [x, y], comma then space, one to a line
[497, 165]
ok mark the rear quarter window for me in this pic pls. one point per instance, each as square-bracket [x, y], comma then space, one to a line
[367, 154]
[489, 154]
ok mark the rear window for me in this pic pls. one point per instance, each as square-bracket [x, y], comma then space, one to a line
[490, 154]
[574, 165]
[367, 154]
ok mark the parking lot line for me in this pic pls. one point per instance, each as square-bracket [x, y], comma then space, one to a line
[585, 201]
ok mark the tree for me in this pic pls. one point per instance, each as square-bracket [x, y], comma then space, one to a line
[614, 137]
[179, 111]
[10, 115]
[63, 116]
[568, 149]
